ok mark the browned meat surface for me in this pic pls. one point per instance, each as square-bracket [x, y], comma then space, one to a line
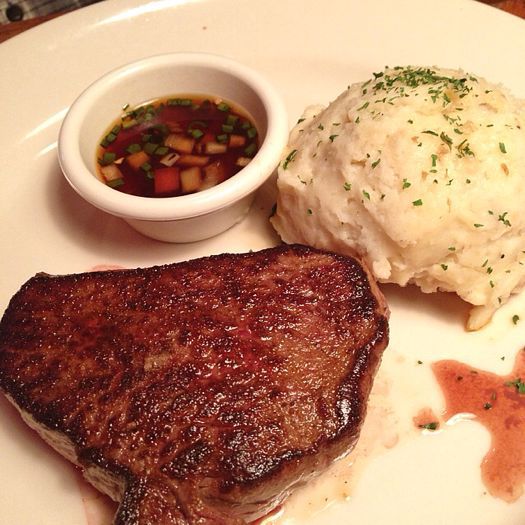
[198, 392]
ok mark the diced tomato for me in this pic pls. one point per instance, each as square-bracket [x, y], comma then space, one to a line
[167, 180]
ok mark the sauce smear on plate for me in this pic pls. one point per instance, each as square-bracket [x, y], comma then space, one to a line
[498, 402]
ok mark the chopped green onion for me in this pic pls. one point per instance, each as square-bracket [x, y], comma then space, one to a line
[108, 158]
[134, 148]
[150, 148]
[115, 183]
[222, 106]
[146, 166]
[196, 133]
[222, 138]
[250, 150]
[232, 120]
[227, 128]
[161, 150]
[251, 133]
[180, 102]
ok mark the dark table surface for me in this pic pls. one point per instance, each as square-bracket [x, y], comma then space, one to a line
[515, 7]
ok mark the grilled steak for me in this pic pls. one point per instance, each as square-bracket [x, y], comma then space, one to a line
[198, 392]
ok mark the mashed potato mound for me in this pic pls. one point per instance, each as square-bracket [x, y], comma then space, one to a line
[421, 171]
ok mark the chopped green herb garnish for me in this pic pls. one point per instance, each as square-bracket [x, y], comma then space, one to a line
[502, 218]
[108, 158]
[145, 167]
[417, 202]
[433, 425]
[446, 139]
[161, 150]
[115, 183]
[347, 186]
[250, 150]
[487, 406]
[222, 106]
[366, 194]
[133, 148]
[515, 319]
[445, 267]
[406, 184]
[150, 148]
[333, 137]
[232, 120]
[289, 158]
[477, 225]
[179, 102]
[430, 132]
[502, 147]
[375, 163]
[518, 383]
[196, 133]
[309, 211]
[251, 133]
[227, 128]
[223, 138]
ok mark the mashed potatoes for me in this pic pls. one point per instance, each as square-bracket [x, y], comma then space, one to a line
[422, 172]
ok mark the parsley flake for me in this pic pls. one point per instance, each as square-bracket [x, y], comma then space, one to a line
[518, 383]
[289, 158]
[433, 425]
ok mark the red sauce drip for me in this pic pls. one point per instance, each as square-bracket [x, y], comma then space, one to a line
[426, 418]
[497, 403]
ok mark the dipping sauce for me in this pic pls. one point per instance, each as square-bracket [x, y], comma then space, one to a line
[175, 146]
[498, 402]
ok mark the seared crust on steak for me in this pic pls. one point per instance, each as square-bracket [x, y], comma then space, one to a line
[203, 391]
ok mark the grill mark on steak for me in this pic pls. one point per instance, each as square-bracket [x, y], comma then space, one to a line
[210, 387]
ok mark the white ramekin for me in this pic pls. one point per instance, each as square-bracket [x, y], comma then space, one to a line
[185, 218]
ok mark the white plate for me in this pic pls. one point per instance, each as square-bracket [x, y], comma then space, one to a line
[311, 51]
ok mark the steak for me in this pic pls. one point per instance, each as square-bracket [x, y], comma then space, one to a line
[199, 392]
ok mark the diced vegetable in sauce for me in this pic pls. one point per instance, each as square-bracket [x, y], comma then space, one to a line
[175, 146]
